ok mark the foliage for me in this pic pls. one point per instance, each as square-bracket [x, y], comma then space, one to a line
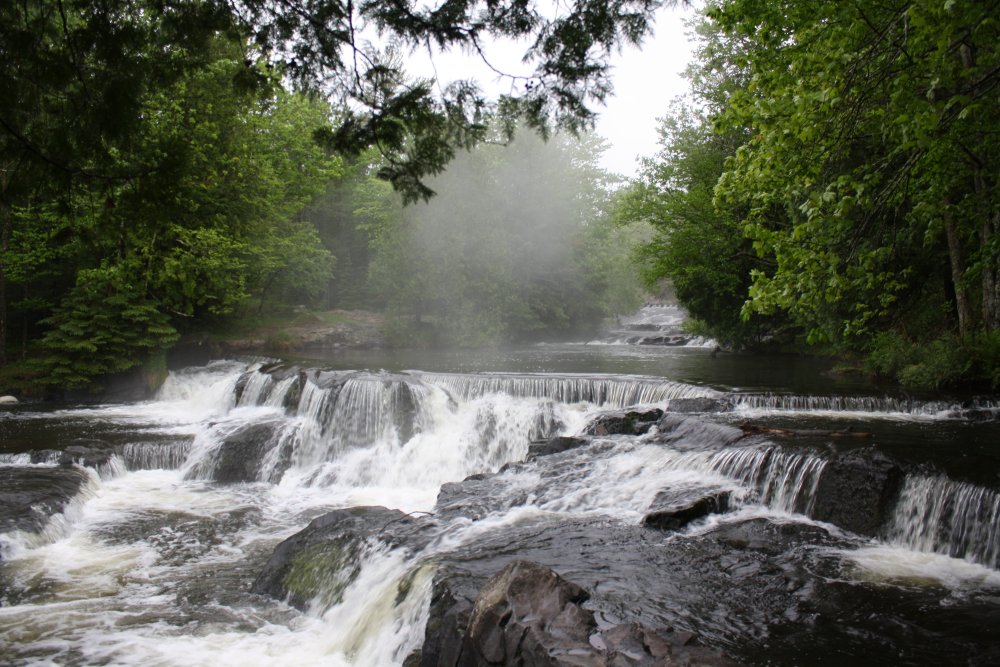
[96, 63]
[118, 269]
[698, 245]
[104, 325]
[845, 157]
[873, 157]
[153, 146]
[940, 362]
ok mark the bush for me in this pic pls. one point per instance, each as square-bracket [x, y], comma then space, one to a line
[948, 361]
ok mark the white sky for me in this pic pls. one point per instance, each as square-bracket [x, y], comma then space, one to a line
[646, 80]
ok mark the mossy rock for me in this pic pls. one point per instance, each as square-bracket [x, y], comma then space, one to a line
[316, 565]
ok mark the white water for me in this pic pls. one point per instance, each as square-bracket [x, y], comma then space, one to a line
[857, 407]
[145, 567]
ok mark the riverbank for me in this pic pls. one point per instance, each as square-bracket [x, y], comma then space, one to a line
[297, 331]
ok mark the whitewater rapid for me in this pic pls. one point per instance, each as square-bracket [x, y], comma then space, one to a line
[150, 564]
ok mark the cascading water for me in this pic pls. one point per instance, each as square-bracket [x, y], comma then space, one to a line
[615, 392]
[938, 515]
[751, 405]
[152, 564]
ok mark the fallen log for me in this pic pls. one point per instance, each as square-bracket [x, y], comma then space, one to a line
[749, 428]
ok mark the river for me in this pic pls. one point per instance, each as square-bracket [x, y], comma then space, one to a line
[152, 559]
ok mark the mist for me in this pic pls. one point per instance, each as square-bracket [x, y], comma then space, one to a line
[516, 245]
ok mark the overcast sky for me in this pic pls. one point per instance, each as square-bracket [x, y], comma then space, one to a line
[646, 80]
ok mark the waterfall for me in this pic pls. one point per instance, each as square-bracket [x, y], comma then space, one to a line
[937, 515]
[362, 429]
[155, 455]
[782, 480]
[605, 391]
[868, 405]
[232, 459]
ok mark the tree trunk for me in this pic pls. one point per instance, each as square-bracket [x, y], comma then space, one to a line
[957, 257]
[5, 224]
[991, 284]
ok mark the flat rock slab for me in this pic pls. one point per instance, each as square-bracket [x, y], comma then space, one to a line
[555, 445]
[631, 422]
[673, 510]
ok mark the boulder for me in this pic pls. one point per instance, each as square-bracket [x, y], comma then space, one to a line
[555, 446]
[247, 454]
[527, 614]
[29, 496]
[627, 423]
[672, 511]
[857, 491]
[8, 400]
[318, 563]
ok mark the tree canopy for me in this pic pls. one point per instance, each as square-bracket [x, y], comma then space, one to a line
[94, 63]
[862, 168]
[158, 157]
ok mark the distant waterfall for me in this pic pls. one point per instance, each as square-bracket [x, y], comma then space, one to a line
[870, 405]
[603, 391]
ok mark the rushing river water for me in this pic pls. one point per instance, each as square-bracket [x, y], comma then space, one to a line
[152, 560]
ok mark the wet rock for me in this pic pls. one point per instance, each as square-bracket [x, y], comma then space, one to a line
[636, 645]
[672, 511]
[697, 405]
[30, 496]
[88, 457]
[316, 565]
[689, 433]
[97, 458]
[858, 490]
[628, 423]
[244, 454]
[555, 446]
[477, 496]
[404, 407]
[528, 614]
[671, 340]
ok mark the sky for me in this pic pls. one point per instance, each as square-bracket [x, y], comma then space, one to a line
[645, 80]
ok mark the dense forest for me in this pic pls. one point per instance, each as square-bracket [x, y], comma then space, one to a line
[833, 184]
[168, 166]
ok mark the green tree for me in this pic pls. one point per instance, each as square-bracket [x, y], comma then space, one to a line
[698, 245]
[215, 224]
[874, 133]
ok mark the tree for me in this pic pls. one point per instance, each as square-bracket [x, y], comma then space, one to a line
[110, 119]
[698, 245]
[190, 241]
[874, 133]
[94, 62]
